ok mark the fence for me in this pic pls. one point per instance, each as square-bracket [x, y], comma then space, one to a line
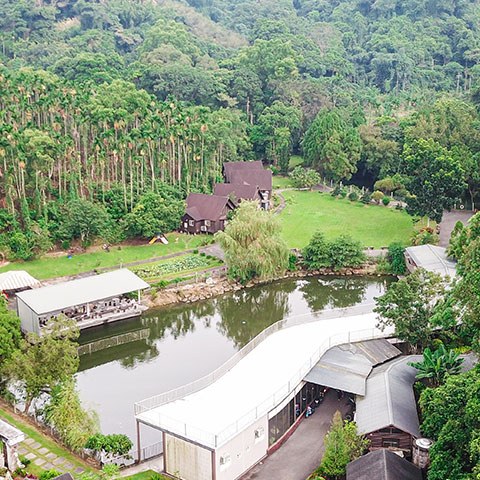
[148, 452]
[207, 438]
[113, 341]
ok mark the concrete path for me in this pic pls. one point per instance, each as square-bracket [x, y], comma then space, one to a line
[302, 453]
[448, 224]
[282, 203]
[155, 464]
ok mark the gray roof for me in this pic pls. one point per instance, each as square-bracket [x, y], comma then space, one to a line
[382, 465]
[346, 367]
[10, 434]
[79, 292]
[389, 398]
[16, 279]
[201, 206]
[432, 258]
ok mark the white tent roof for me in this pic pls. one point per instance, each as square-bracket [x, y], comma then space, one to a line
[16, 279]
[82, 291]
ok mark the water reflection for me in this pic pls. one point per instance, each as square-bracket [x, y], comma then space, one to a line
[172, 346]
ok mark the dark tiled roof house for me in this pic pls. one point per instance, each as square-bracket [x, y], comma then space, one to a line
[206, 213]
[382, 465]
[237, 192]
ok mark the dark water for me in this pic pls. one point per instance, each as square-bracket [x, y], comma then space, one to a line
[169, 347]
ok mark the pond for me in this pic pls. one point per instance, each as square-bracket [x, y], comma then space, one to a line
[166, 348]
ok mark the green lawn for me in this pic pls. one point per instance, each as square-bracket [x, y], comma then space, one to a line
[295, 161]
[49, 267]
[373, 225]
[281, 182]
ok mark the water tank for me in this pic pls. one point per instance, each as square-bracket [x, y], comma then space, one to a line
[421, 452]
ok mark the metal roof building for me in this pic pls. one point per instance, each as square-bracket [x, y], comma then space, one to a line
[431, 258]
[16, 280]
[382, 465]
[32, 304]
[389, 399]
[347, 366]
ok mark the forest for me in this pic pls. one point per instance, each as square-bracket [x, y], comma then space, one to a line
[112, 111]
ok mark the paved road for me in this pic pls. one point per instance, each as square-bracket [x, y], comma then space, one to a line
[448, 224]
[302, 453]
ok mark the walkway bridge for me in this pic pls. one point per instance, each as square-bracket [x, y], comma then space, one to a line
[216, 408]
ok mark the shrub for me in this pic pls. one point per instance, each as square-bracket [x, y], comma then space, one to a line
[160, 284]
[24, 460]
[195, 251]
[396, 258]
[209, 256]
[116, 443]
[292, 262]
[336, 191]
[377, 195]
[346, 252]
[343, 192]
[65, 245]
[316, 254]
[366, 198]
[353, 196]
[202, 254]
[48, 474]
[386, 200]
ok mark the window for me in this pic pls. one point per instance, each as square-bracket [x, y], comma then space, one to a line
[185, 225]
[191, 223]
[225, 462]
[207, 223]
[390, 443]
[259, 434]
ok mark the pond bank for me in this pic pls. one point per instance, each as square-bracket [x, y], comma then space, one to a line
[216, 286]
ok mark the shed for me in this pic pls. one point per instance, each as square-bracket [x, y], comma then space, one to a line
[206, 213]
[432, 258]
[346, 367]
[382, 465]
[10, 437]
[52, 300]
[387, 414]
[16, 280]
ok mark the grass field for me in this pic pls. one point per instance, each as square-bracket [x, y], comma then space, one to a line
[281, 182]
[49, 267]
[295, 161]
[372, 225]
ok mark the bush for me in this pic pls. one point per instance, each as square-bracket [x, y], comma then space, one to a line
[386, 200]
[343, 192]
[48, 474]
[366, 198]
[377, 195]
[65, 245]
[292, 262]
[343, 251]
[336, 191]
[396, 258]
[202, 254]
[209, 256]
[116, 443]
[353, 196]
[24, 460]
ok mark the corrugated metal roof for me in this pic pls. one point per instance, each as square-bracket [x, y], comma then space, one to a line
[389, 398]
[82, 291]
[11, 434]
[16, 279]
[347, 366]
[382, 465]
[432, 258]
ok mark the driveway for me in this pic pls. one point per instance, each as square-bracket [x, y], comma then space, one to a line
[302, 452]
[448, 222]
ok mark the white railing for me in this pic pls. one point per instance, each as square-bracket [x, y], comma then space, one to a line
[212, 440]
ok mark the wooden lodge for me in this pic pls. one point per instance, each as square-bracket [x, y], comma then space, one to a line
[243, 181]
[206, 213]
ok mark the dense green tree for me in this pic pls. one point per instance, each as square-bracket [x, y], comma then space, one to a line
[253, 245]
[305, 177]
[10, 335]
[409, 306]
[44, 361]
[433, 177]
[332, 146]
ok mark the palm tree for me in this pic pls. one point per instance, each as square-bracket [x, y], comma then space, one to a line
[437, 365]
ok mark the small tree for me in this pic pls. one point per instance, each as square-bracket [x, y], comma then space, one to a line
[437, 365]
[10, 335]
[377, 196]
[342, 445]
[43, 361]
[409, 306]
[396, 258]
[316, 254]
[346, 252]
[305, 178]
[253, 245]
